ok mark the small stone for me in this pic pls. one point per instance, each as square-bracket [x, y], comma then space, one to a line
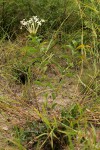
[5, 128]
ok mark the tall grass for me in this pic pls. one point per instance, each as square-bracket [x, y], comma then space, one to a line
[67, 45]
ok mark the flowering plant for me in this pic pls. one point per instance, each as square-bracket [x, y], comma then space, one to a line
[32, 24]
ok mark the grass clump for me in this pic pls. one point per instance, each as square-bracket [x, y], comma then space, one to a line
[71, 130]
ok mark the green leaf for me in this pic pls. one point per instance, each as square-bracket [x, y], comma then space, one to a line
[30, 50]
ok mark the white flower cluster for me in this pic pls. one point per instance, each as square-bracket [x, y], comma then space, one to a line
[32, 24]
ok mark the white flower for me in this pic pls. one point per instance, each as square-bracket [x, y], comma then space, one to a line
[30, 21]
[21, 27]
[42, 20]
[35, 18]
[32, 24]
[23, 22]
[39, 23]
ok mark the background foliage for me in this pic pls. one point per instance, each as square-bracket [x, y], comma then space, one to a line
[66, 47]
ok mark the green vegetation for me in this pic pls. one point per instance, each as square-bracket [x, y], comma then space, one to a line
[50, 75]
